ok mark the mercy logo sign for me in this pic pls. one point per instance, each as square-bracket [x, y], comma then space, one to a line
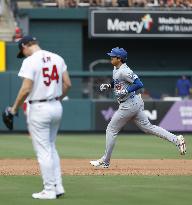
[120, 23]
[135, 26]
[147, 22]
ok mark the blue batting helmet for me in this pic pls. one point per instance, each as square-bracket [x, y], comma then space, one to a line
[118, 52]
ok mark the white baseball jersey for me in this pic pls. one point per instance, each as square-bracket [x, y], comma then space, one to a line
[45, 69]
[122, 78]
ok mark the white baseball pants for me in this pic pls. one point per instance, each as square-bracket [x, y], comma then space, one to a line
[43, 123]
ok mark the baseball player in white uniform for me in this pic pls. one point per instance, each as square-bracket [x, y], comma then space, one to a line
[45, 83]
[131, 107]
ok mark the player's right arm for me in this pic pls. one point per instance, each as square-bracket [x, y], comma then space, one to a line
[27, 74]
[22, 95]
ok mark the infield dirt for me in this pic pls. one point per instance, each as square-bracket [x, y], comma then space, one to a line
[118, 167]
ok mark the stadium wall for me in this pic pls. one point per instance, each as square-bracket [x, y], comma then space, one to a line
[65, 31]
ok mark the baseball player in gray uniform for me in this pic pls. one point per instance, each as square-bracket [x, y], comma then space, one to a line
[131, 107]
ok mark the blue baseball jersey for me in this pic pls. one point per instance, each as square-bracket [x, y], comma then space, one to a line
[183, 86]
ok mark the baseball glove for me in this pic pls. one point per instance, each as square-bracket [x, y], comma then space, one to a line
[8, 118]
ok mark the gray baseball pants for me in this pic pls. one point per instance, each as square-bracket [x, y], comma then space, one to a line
[132, 109]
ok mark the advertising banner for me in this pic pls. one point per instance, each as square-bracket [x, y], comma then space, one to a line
[142, 23]
[178, 117]
[172, 116]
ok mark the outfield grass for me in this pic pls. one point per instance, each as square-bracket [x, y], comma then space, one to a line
[102, 190]
[92, 146]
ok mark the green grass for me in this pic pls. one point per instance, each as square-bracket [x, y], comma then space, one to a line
[104, 190]
[92, 146]
[99, 190]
